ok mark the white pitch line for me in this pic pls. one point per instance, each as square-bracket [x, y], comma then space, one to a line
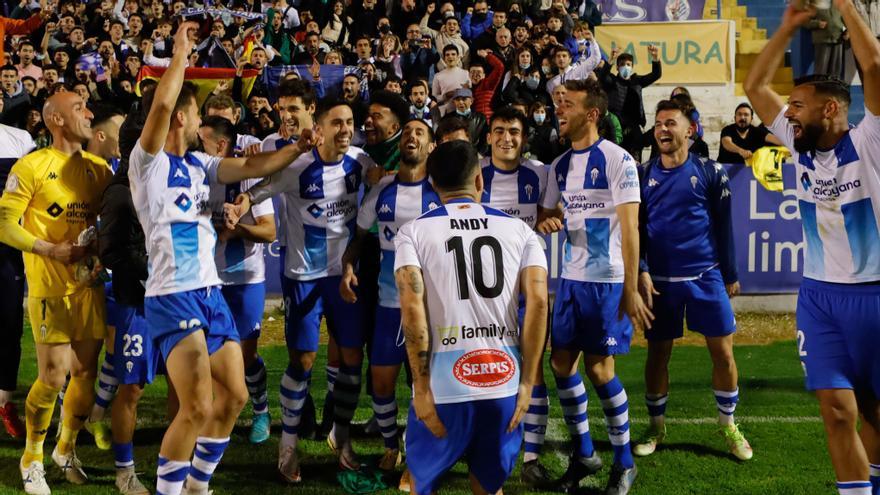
[557, 429]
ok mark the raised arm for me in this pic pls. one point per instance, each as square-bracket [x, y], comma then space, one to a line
[766, 102]
[866, 49]
[155, 129]
[264, 164]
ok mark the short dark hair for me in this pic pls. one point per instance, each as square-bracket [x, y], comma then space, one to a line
[450, 47]
[219, 102]
[8, 67]
[683, 106]
[25, 42]
[117, 21]
[827, 86]
[186, 97]
[392, 101]
[623, 57]
[221, 127]
[415, 83]
[326, 105]
[449, 124]
[596, 96]
[451, 164]
[103, 113]
[297, 88]
[424, 123]
[744, 105]
[508, 113]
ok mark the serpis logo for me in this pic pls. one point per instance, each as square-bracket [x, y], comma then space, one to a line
[484, 368]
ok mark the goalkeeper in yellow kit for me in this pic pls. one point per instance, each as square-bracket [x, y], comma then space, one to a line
[50, 198]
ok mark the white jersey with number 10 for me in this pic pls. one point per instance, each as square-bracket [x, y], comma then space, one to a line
[471, 257]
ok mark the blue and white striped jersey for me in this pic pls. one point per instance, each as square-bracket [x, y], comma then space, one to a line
[274, 142]
[170, 194]
[517, 193]
[393, 203]
[239, 261]
[591, 183]
[471, 257]
[320, 209]
[839, 200]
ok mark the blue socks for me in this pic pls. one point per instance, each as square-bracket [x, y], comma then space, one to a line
[616, 407]
[536, 422]
[573, 398]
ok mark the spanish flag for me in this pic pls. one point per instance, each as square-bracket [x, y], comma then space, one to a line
[206, 79]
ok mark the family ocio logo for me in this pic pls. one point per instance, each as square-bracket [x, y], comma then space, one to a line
[484, 368]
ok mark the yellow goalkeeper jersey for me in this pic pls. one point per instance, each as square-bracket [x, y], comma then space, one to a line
[55, 196]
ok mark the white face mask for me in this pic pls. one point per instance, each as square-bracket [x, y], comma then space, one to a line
[625, 71]
[524, 66]
[539, 118]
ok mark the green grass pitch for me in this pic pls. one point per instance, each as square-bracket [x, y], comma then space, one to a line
[778, 417]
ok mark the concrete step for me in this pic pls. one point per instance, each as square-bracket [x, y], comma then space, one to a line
[783, 75]
[784, 89]
[751, 34]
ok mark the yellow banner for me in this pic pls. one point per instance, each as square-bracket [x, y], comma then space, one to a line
[690, 52]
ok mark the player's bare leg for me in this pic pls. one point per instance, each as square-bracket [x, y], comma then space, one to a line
[840, 415]
[385, 410]
[656, 394]
[869, 411]
[189, 369]
[230, 395]
[123, 418]
[724, 383]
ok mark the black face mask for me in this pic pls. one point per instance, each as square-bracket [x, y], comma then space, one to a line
[384, 29]
[479, 16]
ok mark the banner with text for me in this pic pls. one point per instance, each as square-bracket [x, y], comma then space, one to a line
[650, 10]
[690, 52]
[766, 226]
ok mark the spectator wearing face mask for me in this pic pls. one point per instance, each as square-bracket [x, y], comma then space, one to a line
[463, 100]
[544, 141]
[527, 86]
[477, 20]
[624, 91]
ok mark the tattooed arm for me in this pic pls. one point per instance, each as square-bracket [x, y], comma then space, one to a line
[414, 319]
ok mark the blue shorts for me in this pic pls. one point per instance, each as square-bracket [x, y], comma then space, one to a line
[388, 347]
[172, 317]
[134, 360]
[585, 318]
[476, 430]
[306, 301]
[703, 301]
[246, 302]
[837, 335]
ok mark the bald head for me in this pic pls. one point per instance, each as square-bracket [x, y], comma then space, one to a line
[67, 117]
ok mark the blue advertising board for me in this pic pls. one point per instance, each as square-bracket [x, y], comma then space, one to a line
[766, 226]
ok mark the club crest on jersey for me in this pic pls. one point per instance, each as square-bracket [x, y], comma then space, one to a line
[352, 181]
[484, 368]
[432, 205]
[11, 183]
[594, 174]
[529, 189]
[183, 202]
[693, 182]
[315, 210]
[653, 182]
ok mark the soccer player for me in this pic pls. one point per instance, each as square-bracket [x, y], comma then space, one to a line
[296, 109]
[320, 193]
[460, 270]
[687, 235]
[188, 320]
[56, 194]
[128, 359]
[14, 144]
[394, 201]
[516, 185]
[240, 264]
[838, 303]
[598, 185]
